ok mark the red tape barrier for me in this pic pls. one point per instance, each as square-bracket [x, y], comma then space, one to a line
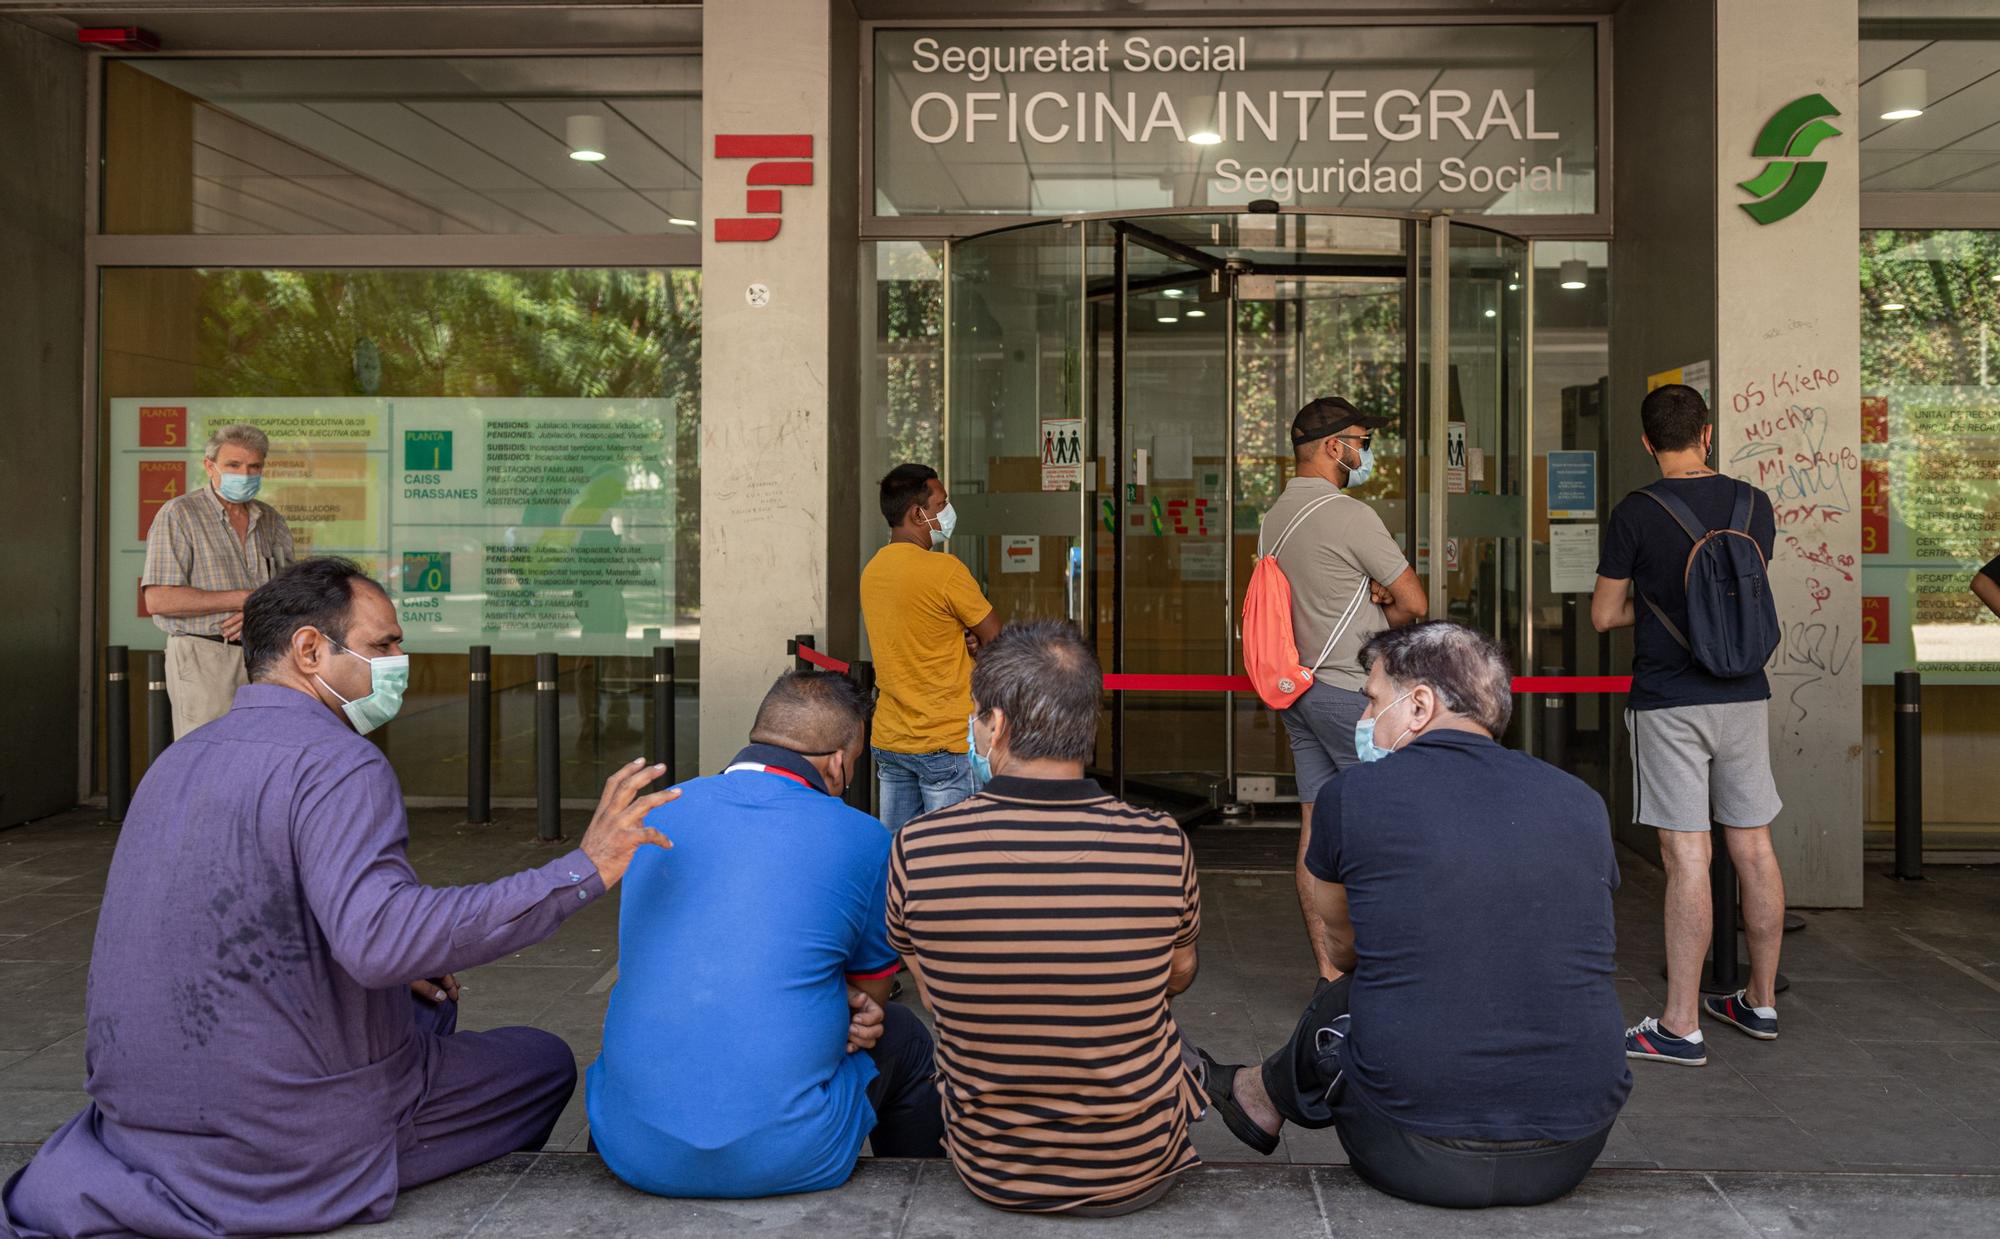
[1134, 683]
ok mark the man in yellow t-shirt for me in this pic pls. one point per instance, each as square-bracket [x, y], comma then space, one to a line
[926, 618]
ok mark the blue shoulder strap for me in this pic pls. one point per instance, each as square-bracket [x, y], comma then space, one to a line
[1678, 509]
[1739, 520]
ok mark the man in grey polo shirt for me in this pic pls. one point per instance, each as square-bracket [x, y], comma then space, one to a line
[206, 551]
[1349, 581]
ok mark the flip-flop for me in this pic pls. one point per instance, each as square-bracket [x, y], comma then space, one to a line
[1220, 1085]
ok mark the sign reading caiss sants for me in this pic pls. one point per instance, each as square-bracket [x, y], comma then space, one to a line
[1039, 123]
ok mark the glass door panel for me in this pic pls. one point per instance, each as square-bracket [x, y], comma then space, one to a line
[1017, 454]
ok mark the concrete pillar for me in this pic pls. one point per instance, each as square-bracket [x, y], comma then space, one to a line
[1775, 307]
[41, 473]
[1788, 407]
[778, 381]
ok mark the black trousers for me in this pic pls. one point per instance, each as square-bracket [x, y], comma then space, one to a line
[1303, 1080]
[909, 1117]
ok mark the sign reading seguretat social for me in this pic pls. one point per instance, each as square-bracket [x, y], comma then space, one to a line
[524, 524]
[1499, 119]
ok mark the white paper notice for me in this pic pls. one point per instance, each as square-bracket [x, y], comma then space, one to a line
[1173, 455]
[1572, 558]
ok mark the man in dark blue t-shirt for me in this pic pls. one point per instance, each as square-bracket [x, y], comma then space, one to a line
[1701, 745]
[1470, 1055]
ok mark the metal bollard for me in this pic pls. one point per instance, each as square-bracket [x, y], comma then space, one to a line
[479, 735]
[660, 746]
[117, 734]
[861, 787]
[803, 641]
[1554, 724]
[548, 751]
[159, 710]
[1909, 777]
[1725, 969]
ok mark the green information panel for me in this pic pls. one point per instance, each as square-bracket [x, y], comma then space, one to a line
[524, 524]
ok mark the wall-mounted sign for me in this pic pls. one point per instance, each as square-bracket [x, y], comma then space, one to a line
[1493, 118]
[1790, 179]
[525, 524]
[1020, 552]
[1062, 453]
[1572, 486]
[782, 159]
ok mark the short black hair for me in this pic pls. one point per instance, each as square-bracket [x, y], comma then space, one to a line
[1672, 417]
[312, 593]
[902, 488]
[812, 712]
[1044, 676]
[1466, 668]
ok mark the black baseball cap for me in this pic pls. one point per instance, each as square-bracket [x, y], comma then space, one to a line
[1330, 415]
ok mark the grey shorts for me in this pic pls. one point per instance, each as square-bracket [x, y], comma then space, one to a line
[1320, 724]
[1695, 764]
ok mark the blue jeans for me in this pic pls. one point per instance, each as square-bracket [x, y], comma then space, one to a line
[913, 783]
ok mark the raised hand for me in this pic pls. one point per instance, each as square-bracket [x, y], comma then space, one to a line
[618, 828]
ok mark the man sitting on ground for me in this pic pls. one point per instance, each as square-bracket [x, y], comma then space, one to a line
[255, 1062]
[1470, 1054]
[750, 1046]
[1047, 925]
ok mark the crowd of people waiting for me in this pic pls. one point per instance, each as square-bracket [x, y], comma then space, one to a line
[272, 1003]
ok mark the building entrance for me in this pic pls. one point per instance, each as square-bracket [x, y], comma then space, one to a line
[1119, 396]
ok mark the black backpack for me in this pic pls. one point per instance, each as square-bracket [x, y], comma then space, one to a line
[1732, 620]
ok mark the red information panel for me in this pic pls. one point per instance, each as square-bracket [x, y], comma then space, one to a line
[1874, 507]
[1875, 620]
[163, 425]
[159, 481]
[1874, 419]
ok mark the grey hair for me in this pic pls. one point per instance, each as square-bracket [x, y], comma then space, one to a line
[242, 434]
[1466, 668]
[1044, 677]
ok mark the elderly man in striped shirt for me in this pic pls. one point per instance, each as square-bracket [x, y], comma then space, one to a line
[1047, 925]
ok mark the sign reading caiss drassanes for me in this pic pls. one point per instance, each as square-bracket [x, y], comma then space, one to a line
[1493, 118]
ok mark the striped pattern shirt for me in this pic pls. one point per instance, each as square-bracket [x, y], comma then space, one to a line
[1041, 916]
[192, 543]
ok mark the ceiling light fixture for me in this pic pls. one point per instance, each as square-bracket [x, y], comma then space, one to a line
[1575, 274]
[1197, 313]
[1177, 292]
[585, 134]
[678, 222]
[1206, 137]
[1492, 313]
[1904, 93]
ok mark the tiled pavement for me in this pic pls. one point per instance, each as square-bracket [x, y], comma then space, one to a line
[1888, 1075]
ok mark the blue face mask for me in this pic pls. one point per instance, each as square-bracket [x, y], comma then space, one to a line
[1359, 474]
[982, 767]
[239, 487]
[1364, 736]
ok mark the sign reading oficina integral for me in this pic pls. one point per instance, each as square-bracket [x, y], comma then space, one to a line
[1499, 119]
[524, 524]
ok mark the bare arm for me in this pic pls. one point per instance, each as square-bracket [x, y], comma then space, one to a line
[1181, 969]
[179, 600]
[1987, 590]
[1407, 603]
[1316, 933]
[985, 630]
[1611, 605]
[1329, 899]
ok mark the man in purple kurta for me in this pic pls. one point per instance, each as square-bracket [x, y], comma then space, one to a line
[270, 1044]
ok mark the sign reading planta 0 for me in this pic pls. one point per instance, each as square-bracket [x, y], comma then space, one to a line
[1789, 181]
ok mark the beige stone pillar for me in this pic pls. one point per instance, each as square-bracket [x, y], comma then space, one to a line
[778, 386]
[1788, 405]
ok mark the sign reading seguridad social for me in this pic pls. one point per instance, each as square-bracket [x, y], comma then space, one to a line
[1499, 119]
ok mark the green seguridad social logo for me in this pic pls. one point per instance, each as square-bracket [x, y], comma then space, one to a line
[1789, 181]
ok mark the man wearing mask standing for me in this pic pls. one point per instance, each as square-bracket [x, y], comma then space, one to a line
[1349, 581]
[926, 617]
[271, 1044]
[206, 551]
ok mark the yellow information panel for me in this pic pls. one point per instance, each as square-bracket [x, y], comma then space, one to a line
[525, 524]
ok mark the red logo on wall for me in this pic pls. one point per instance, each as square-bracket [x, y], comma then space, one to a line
[785, 159]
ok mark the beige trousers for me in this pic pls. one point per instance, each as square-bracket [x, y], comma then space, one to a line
[202, 679]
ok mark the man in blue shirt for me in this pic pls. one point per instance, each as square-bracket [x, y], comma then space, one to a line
[1470, 1055]
[750, 1046]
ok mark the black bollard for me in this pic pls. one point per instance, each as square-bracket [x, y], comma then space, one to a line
[861, 787]
[548, 751]
[1909, 777]
[660, 749]
[117, 734]
[1726, 970]
[159, 710]
[1554, 724]
[803, 641]
[479, 735]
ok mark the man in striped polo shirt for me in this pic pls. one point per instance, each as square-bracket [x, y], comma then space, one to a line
[1047, 925]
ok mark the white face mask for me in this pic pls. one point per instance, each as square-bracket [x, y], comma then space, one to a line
[946, 520]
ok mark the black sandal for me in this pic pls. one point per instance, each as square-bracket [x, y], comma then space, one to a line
[1220, 1085]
